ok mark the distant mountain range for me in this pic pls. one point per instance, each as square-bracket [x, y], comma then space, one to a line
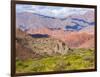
[77, 31]
[27, 21]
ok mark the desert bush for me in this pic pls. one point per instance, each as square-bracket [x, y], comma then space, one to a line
[76, 60]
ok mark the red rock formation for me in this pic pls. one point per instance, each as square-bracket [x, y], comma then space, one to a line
[73, 39]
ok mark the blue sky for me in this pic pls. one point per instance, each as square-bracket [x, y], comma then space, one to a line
[53, 11]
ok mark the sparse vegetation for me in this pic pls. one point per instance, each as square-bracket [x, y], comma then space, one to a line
[76, 60]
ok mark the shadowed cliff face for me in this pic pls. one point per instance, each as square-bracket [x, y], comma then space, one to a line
[39, 35]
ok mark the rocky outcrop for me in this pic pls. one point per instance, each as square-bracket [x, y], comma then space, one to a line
[30, 47]
[49, 46]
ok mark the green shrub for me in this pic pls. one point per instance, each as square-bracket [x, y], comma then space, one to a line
[76, 60]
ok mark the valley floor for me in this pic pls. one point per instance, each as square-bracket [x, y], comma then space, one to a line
[76, 59]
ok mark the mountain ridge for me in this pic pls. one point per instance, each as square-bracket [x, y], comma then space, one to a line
[30, 20]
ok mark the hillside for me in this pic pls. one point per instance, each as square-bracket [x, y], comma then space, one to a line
[72, 39]
[28, 46]
[80, 40]
[39, 53]
[89, 44]
[76, 59]
[23, 51]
